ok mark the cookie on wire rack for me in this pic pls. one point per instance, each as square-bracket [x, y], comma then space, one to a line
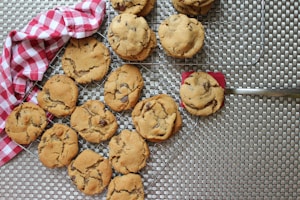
[86, 60]
[58, 146]
[137, 7]
[123, 88]
[59, 95]
[128, 152]
[181, 36]
[129, 186]
[93, 121]
[90, 172]
[130, 37]
[26, 123]
[193, 7]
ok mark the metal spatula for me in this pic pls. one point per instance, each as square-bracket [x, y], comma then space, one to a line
[292, 93]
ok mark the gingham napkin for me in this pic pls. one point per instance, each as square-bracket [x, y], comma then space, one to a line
[27, 53]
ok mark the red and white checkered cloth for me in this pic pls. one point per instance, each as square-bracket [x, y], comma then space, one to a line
[27, 53]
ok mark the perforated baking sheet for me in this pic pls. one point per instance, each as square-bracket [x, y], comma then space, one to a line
[248, 150]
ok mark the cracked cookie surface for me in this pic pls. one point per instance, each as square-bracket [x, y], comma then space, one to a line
[157, 118]
[25, 123]
[201, 94]
[128, 34]
[146, 52]
[86, 60]
[123, 87]
[181, 36]
[90, 172]
[59, 95]
[94, 122]
[129, 6]
[193, 7]
[58, 146]
[129, 186]
[128, 152]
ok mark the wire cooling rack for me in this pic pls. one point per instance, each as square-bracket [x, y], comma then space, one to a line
[234, 36]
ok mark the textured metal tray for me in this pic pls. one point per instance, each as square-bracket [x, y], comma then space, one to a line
[248, 150]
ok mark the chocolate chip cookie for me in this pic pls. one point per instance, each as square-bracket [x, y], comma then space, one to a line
[58, 146]
[128, 6]
[86, 60]
[123, 87]
[193, 7]
[59, 95]
[25, 123]
[90, 172]
[129, 186]
[129, 35]
[201, 94]
[157, 118]
[94, 122]
[128, 152]
[181, 36]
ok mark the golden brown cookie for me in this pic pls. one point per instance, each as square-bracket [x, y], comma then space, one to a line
[147, 8]
[59, 95]
[129, 186]
[128, 152]
[181, 36]
[90, 172]
[146, 52]
[93, 122]
[128, 34]
[86, 60]
[193, 7]
[25, 123]
[129, 6]
[123, 87]
[58, 146]
[201, 94]
[157, 118]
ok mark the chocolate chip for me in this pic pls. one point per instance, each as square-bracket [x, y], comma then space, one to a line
[148, 106]
[102, 122]
[206, 86]
[120, 7]
[124, 99]
[124, 85]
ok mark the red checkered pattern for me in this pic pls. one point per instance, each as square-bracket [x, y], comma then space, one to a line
[27, 53]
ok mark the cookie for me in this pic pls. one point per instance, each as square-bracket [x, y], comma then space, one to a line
[146, 52]
[157, 118]
[128, 152]
[59, 95]
[193, 7]
[25, 123]
[147, 8]
[58, 146]
[123, 87]
[86, 60]
[90, 172]
[137, 35]
[181, 36]
[129, 6]
[93, 122]
[129, 186]
[201, 94]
